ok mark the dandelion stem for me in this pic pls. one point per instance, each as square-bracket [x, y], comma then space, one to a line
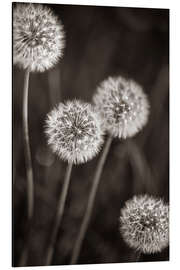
[29, 170]
[59, 214]
[27, 150]
[87, 216]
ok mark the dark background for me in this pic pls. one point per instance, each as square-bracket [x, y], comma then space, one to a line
[100, 42]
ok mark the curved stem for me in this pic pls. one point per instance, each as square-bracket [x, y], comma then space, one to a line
[28, 164]
[27, 150]
[59, 214]
[87, 216]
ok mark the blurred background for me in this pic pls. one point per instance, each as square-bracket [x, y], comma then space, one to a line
[100, 41]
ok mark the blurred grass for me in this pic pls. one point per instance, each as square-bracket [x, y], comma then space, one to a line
[99, 42]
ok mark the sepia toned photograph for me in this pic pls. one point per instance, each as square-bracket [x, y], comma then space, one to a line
[90, 117]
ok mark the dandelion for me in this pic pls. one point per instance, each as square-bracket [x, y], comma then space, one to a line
[123, 109]
[38, 40]
[144, 224]
[123, 106]
[38, 37]
[74, 133]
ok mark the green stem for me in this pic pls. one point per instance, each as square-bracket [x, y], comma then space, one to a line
[59, 214]
[87, 216]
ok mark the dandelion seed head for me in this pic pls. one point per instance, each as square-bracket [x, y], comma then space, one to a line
[123, 106]
[38, 37]
[74, 131]
[144, 224]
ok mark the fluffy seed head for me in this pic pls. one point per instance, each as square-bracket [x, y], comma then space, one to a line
[123, 106]
[144, 224]
[38, 37]
[74, 131]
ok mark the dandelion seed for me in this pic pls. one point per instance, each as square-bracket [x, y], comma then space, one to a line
[144, 224]
[123, 106]
[38, 37]
[74, 131]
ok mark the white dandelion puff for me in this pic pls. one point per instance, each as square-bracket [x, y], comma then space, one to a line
[144, 224]
[74, 131]
[123, 106]
[38, 37]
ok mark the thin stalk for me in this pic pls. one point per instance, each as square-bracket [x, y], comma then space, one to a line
[59, 214]
[28, 164]
[90, 204]
[27, 150]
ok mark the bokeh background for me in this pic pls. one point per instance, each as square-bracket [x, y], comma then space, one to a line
[100, 41]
